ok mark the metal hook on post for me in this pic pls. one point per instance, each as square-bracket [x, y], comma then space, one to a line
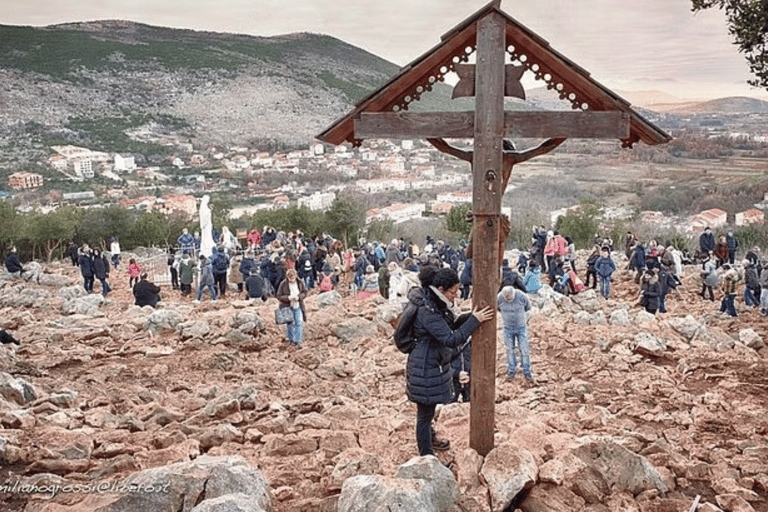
[490, 177]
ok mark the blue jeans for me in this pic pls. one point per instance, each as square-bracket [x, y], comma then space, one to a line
[727, 304]
[519, 338]
[764, 299]
[115, 260]
[88, 283]
[201, 290]
[749, 297]
[605, 286]
[662, 303]
[295, 329]
[105, 288]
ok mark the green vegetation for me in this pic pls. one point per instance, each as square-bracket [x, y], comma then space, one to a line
[67, 54]
[456, 220]
[581, 224]
[109, 133]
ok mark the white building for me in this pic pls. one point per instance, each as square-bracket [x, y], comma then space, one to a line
[318, 201]
[124, 164]
[82, 167]
[459, 197]
[398, 212]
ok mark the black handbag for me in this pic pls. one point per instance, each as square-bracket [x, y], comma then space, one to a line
[283, 316]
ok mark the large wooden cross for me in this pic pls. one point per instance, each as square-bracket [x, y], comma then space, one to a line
[489, 124]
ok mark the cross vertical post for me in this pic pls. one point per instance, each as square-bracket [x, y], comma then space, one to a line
[486, 197]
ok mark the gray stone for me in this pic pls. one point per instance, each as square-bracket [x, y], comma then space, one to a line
[621, 469]
[355, 329]
[644, 317]
[193, 329]
[87, 305]
[586, 300]
[16, 390]
[26, 297]
[422, 484]
[72, 292]
[163, 320]
[352, 462]
[582, 318]
[687, 326]
[243, 318]
[751, 338]
[508, 470]
[237, 502]
[620, 317]
[326, 299]
[644, 342]
[177, 487]
[55, 280]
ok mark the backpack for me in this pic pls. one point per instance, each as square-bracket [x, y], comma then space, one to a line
[326, 284]
[404, 336]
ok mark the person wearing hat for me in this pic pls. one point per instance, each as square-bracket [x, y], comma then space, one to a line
[731, 279]
[650, 291]
[370, 284]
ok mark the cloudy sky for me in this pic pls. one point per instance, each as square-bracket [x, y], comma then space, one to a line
[627, 46]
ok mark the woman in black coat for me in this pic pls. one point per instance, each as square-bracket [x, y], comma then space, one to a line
[428, 373]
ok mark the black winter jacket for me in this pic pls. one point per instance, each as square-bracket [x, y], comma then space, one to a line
[428, 372]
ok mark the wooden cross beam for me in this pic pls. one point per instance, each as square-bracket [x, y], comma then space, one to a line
[489, 125]
[461, 125]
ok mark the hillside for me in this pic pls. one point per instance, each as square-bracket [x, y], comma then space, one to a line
[733, 105]
[210, 87]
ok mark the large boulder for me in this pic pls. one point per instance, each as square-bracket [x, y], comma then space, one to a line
[508, 470]
[354, 329]
[621, 469]
[422, 484]
[184, 486]
[87, 305]
[163, 320]
[55, 280]
[326, 299]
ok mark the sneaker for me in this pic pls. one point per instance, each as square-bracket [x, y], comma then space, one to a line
[196, 301]
[440, 444]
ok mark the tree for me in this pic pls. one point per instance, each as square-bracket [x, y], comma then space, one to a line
[456, 220]
[345, 218]
[748, 24]
[51, 230]
[581, 224]
[9, 224]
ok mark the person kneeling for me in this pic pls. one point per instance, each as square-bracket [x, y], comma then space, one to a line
[145, 292]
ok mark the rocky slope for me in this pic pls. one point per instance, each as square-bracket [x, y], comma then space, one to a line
[632, 412]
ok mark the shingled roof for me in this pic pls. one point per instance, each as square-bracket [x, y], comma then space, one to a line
[571, 82]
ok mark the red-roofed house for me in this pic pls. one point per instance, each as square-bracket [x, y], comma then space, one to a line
[714, 218]
[751, 216]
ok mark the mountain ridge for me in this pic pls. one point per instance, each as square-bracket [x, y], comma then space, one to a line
[207, 87]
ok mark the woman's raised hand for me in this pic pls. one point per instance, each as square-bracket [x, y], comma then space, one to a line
[483, 314]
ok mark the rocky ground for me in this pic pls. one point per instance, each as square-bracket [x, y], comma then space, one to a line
[633, 412]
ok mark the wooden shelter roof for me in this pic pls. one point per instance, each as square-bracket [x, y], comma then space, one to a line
[571, 82]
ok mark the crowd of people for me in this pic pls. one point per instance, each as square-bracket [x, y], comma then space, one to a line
[290, 265]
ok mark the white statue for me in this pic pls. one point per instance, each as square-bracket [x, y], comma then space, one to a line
[206, 228]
